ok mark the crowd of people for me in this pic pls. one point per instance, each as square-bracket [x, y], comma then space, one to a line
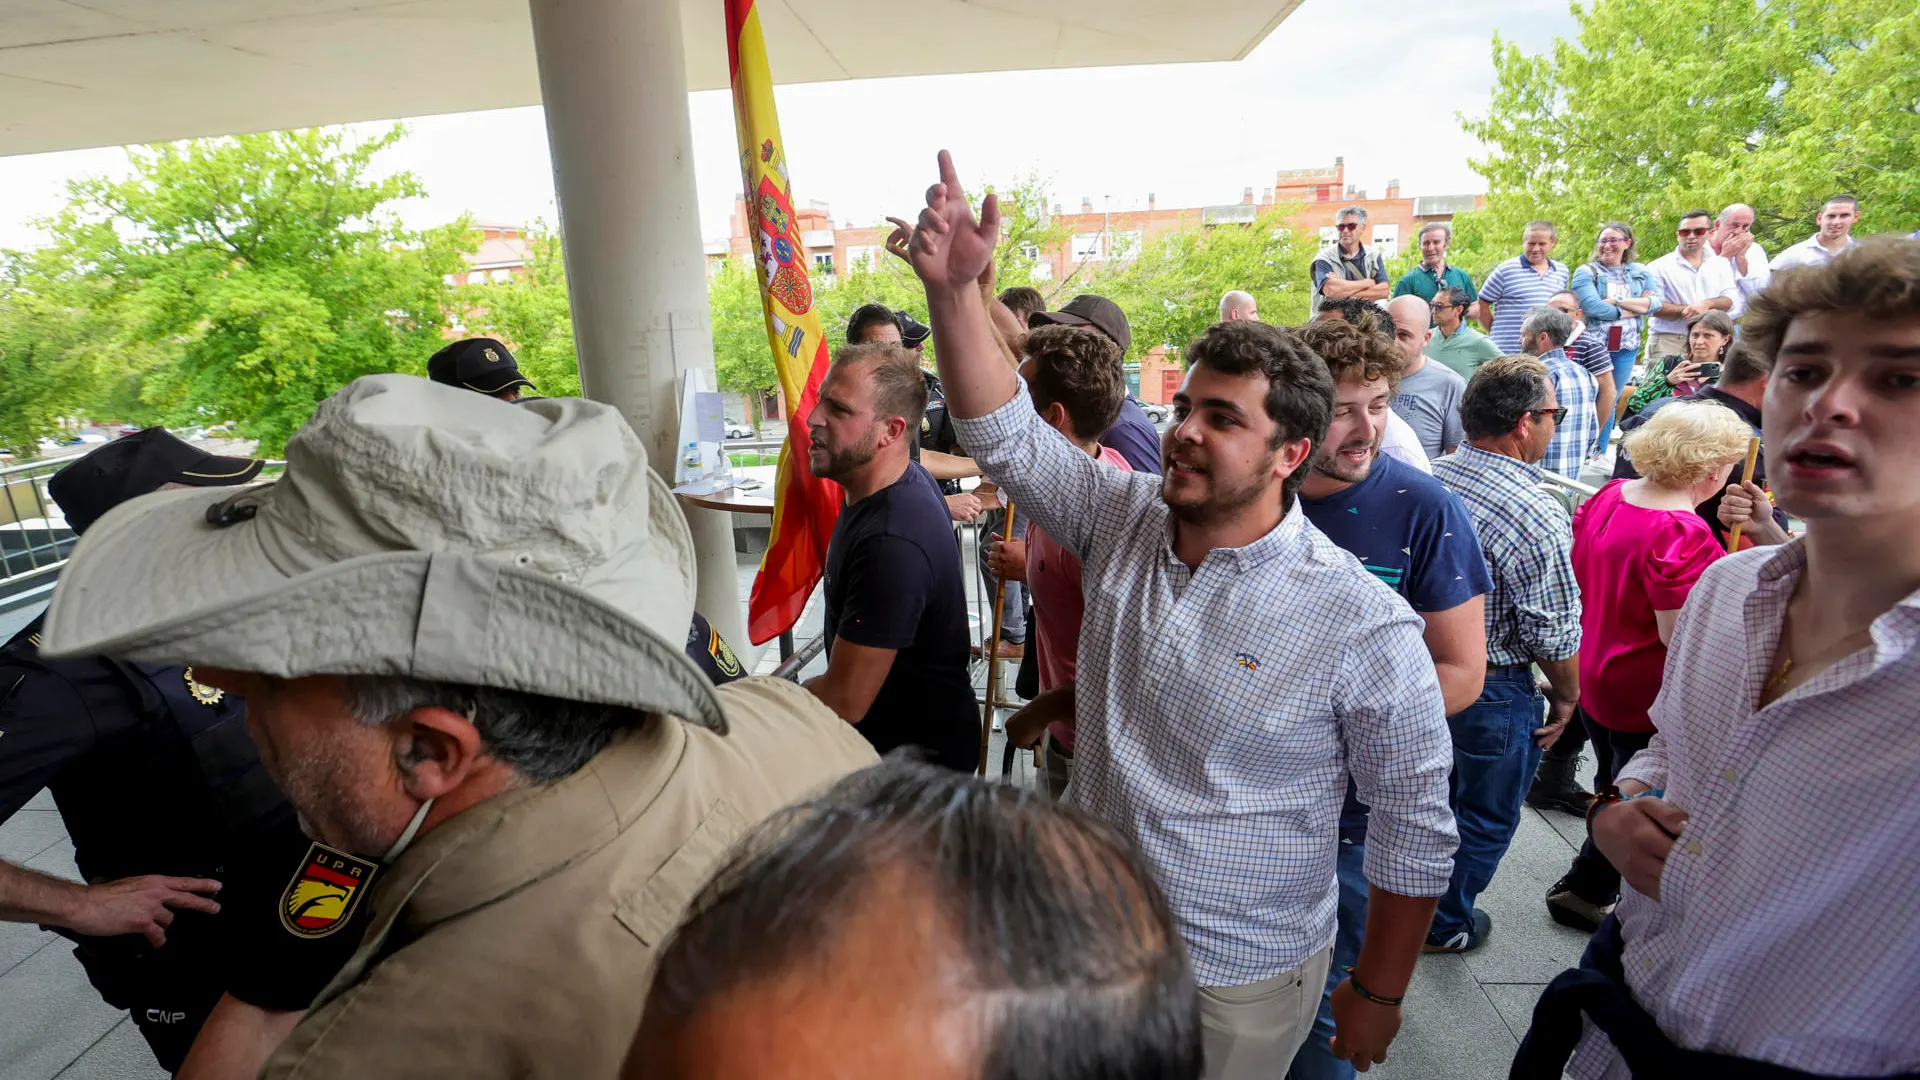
[478, 793]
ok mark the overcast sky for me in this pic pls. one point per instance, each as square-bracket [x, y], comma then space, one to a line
[1378, 83]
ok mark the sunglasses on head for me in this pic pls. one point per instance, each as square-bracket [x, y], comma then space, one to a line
[1558, 414]
[1691, 232]
[1347, 226]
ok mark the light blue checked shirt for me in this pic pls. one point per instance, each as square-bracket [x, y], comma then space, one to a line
[1577, 389]
[1221, 709]
[1533, 612]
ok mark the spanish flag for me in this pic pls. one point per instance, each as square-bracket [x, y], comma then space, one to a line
[805, 506]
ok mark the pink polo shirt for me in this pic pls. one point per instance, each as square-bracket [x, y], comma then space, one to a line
[1053, 577]
[1631, 562]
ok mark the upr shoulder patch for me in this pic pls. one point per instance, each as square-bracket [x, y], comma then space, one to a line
[324, 892]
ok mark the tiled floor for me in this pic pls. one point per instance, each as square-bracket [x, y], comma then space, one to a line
[1464, 1014]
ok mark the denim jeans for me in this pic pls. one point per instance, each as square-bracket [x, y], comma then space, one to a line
[1494, 758]
[1315, 1060]
[1622, 371]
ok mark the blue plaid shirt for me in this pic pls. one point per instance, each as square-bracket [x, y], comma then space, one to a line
[1533, 612]
[1221, 708]
[1577, 390]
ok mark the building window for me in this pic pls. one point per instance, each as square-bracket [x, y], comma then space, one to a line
[823, 263]
[1323, 193]
[478, 277]
[1042, 271]
[502, 275]
[1387, 239]
[862, 256]
[1125, 245]
[1086, 247]
[1329, 234]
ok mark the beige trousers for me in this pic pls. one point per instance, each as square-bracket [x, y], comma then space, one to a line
[1665, 345]
[1253, 1031]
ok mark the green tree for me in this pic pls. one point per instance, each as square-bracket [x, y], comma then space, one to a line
[268, 270]
[532, 314]
[1171, 290]
[1661, 106]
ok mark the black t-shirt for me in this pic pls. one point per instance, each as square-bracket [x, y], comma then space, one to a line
[894, 582]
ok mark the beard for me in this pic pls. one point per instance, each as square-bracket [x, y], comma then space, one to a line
[1220, 501]
[325, 797]
[832, 464]
[1333, 463]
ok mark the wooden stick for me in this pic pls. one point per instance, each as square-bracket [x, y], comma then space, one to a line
[992, 652]
[1746, 477]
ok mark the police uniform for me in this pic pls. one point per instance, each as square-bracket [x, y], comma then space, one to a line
[154, 773]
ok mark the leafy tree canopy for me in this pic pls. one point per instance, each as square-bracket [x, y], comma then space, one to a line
[1662, 106]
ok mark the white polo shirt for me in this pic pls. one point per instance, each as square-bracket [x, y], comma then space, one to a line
[1807, 252]
[1682, 283]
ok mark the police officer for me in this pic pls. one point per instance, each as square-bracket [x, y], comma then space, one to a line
[199, 881]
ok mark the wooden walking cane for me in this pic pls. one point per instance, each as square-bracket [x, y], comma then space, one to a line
[1746, 477]
[992, 651]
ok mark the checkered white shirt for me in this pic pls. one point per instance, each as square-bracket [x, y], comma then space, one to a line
[1787, 928]
[1221, 709]
[1577, 433]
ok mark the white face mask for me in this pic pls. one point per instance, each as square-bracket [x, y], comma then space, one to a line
[407, 834]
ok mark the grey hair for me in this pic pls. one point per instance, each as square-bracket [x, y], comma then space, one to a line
[541, 738]
[1235, 300]
[1052, 916]
[1542, 225]
[1435, 226]
[1551, 321]
[1354, 211]
[1731, 207]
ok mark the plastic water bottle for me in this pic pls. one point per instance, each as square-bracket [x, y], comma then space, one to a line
[692, 456]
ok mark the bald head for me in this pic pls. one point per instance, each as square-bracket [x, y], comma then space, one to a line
[1237, 305]
[1412, 320]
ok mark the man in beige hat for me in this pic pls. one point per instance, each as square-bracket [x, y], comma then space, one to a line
[458, 632]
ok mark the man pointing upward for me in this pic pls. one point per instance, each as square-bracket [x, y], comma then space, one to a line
[1222, 741]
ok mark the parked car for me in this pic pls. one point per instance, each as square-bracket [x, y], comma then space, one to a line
[1155, 411]
[738, 430]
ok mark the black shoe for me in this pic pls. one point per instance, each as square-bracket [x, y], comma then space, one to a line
[1554, 787]
[1461, 940]
[1570, 909]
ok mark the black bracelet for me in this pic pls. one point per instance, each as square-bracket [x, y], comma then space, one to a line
[1370, 995]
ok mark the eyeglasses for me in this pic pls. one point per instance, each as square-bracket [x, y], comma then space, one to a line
[1443, 307]
[1611, 241]
[1347, 226]
[1691, 232]
[1558, 414]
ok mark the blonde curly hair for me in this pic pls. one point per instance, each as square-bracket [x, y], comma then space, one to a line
[1684, 442]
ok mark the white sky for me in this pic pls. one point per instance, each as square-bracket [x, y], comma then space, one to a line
[1378, 83]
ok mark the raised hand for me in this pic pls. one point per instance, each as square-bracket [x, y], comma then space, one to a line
[899, 238]
[951, 248]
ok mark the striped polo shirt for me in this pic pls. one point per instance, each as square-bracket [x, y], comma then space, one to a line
[1515, 288]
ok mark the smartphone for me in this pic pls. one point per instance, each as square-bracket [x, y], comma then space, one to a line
[1710, 372]
[1614, 336]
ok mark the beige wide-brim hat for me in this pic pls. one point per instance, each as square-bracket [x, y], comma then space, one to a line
[419, 530]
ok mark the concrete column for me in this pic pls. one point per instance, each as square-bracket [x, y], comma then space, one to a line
[614, 82]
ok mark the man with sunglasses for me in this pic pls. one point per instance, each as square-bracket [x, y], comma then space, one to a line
[1510, 412]
[1456, 342]
[1693, 281]
[1348, 268]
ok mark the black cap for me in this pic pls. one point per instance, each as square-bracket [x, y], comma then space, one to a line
[1089, 310]
[480, 363]
[913, 333]
[137, 465]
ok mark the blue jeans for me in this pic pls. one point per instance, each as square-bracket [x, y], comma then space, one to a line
[1315, 1060]
[1494, 757]
[1622, 370]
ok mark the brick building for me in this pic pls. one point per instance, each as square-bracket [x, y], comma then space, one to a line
[1098, 234]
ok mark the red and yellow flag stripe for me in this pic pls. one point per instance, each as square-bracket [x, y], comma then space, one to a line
[805, 505]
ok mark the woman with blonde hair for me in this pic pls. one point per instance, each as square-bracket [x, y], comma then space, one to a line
[1638, 547]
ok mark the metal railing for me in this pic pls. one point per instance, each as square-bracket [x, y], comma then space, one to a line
[1570, 493]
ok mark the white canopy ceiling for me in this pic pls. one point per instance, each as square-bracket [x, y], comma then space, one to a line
[110, 72]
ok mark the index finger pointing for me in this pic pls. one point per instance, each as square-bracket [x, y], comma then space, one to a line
[949, 175]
